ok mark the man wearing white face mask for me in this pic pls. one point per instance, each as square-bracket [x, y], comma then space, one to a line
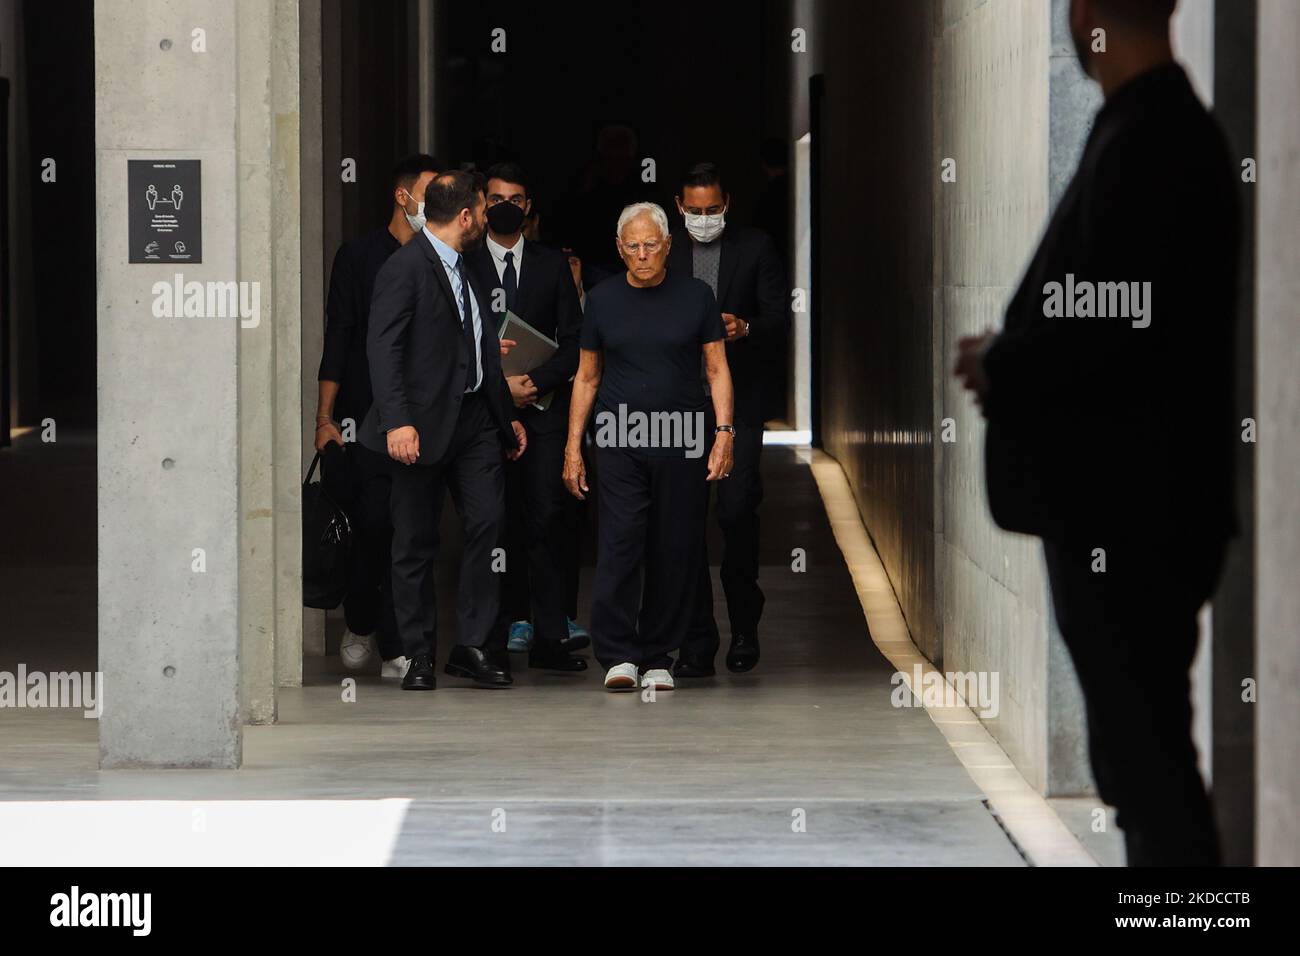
[356, 477]
[744, 270]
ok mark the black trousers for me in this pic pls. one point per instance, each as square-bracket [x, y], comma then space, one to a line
[537, 537]
[360, 481]
[1132, 634]
[738, 500]
[472, 472]
[651, 513]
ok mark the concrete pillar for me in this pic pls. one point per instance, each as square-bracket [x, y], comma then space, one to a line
[314, 257]
[1277, 556]
[257, 580]
[199, 418]
[286, 262]
[270, 354]
[168, 410]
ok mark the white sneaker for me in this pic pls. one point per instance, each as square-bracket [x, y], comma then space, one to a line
[661, 679]
[395, 669]
[358, 651]
[621, 677]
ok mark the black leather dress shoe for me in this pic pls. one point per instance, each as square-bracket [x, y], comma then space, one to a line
[420, 675]
[476, 664]
[555, 658]
[685, 667]
[743, 653]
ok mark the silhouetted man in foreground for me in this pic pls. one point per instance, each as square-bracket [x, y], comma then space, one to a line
[1108, 397]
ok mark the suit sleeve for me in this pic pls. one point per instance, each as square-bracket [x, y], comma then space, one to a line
[508, 400]
[563, 365]
[1124, 238]
[391, 309]
[771, 326]
[340, 319]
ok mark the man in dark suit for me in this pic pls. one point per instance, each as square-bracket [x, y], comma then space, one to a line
[536, 284]
[1109, 401]
[355, 476]
[443, 413]
[742, 267]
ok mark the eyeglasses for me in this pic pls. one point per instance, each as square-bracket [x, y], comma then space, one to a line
[633, 248]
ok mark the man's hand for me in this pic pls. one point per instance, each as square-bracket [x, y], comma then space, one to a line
[327, 432]
[737, 328]
[521, 437]
[970, 365]
[404, 444]
[522, 390]
[507, 345]
[720, 458]
[575, 473]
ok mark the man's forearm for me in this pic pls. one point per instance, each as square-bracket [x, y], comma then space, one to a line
[723, 400]
[584, 396]
[326, 393]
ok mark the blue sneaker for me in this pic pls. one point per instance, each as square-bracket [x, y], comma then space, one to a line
[521, 637]
[579, 637]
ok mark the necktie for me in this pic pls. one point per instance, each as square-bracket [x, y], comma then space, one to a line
[510, 283]
[467, 323]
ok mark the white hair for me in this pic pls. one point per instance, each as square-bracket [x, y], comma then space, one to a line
[653, 210]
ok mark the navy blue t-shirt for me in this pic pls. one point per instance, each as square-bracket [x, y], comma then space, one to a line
[652, 340]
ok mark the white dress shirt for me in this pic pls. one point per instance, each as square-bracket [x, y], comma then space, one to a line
[450, 258]
[499, 258]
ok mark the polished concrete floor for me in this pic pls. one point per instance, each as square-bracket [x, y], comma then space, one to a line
[803, 761]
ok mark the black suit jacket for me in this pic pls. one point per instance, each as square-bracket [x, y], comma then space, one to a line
[548, 301]
[751, 285]
[347, 316]
[1096, 427]
[420, 362]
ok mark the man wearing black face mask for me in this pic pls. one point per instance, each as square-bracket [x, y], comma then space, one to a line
[536, 284]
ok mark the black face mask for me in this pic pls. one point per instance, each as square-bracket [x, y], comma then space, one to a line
[505, 218]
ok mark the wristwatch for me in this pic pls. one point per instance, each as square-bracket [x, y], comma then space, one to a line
[725, 428]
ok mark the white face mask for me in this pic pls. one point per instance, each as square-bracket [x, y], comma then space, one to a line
[705, 228]
[417, 221]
